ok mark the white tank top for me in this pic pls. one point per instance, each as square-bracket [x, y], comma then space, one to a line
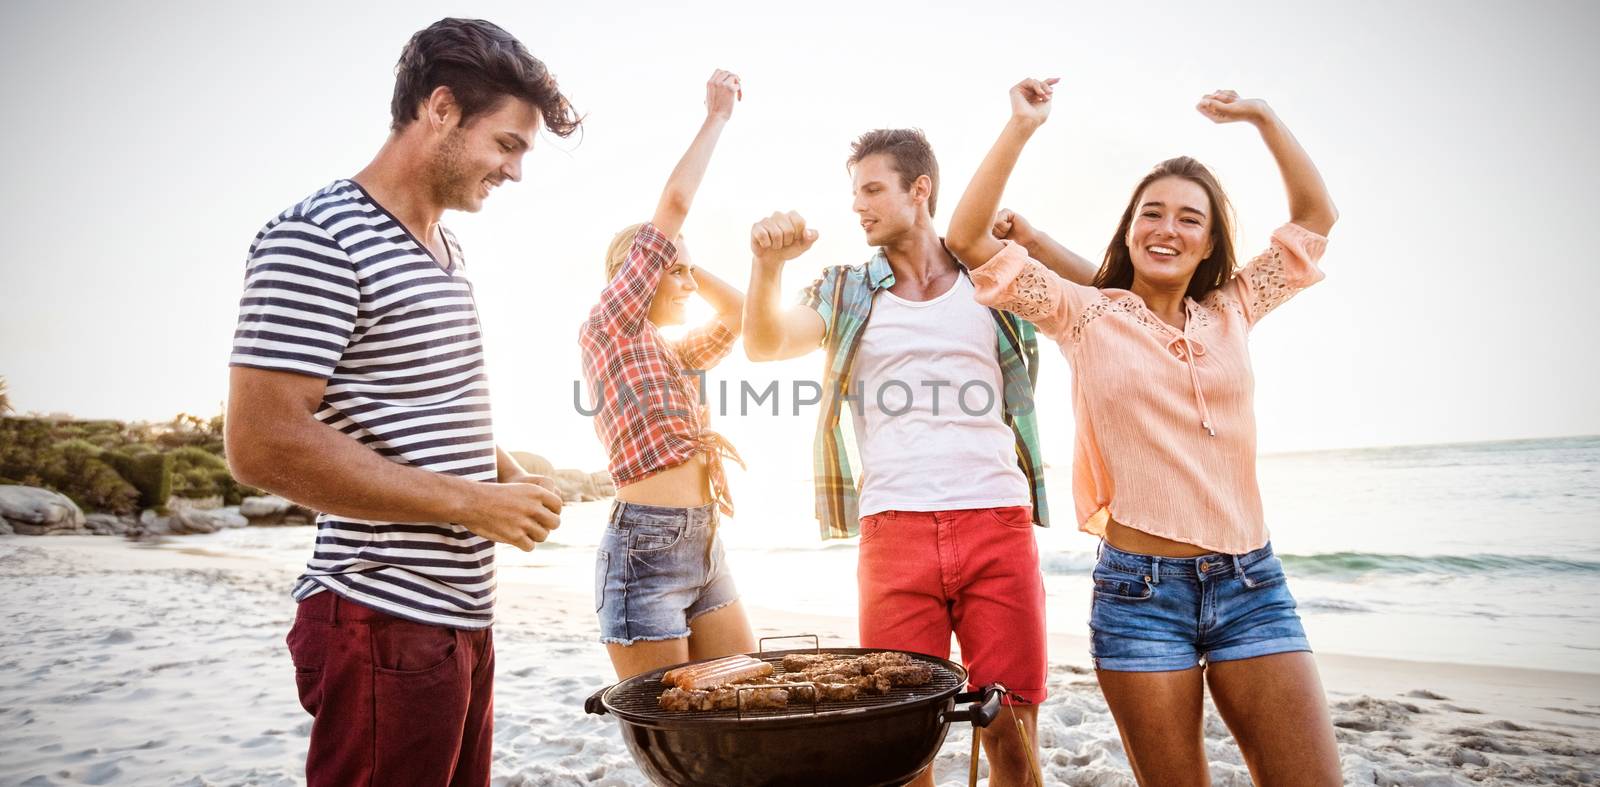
[929, 421]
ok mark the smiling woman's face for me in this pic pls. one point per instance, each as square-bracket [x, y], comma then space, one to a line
[671, 300]
[1170, 233]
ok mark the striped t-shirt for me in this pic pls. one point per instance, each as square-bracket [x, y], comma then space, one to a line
[337, 288]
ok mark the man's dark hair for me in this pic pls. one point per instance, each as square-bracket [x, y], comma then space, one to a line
[910, 152]
[481, 64]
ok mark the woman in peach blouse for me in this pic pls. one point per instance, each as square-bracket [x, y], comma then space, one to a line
[1187, 591]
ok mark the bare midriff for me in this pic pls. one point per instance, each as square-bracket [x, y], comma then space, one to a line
[685, 485]
[1141, 543]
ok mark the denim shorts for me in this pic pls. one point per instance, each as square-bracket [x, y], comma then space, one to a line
[657, 569]
[1158, 614]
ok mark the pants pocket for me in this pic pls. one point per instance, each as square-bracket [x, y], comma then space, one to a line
[401, 647]
[308, 649]
[1118, 586]
[309, 685]
[654, 538]
[1017, 517]
[1263, 574]
[418, 714]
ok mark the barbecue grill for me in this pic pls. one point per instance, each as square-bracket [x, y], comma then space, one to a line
[869, 741]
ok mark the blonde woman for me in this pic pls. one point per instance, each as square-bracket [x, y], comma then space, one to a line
[662, 588]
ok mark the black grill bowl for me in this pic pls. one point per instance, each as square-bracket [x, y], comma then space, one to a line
[887, 740]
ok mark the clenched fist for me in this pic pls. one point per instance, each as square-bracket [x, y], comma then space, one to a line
[722, 91]
[780, 237]
[1010, 225]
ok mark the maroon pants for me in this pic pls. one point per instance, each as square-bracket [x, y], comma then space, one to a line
[393, 702]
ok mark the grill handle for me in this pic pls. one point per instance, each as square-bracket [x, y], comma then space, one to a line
[594, 705]
[983, 707]
[816, 642]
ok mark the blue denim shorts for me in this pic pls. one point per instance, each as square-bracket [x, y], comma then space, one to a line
[1158, 614]
[657, 569]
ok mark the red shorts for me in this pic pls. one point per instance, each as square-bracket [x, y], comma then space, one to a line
[926, 574]
[393, 702]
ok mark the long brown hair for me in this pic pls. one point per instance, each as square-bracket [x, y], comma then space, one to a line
[1213, 272]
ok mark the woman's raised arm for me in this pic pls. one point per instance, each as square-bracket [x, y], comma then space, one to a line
[1310, 205]
[969, 236]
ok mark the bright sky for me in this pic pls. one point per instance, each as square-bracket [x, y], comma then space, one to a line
[149, 142]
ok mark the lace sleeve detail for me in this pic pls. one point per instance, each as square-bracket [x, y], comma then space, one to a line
[1030, 296]
[1288, 266]
[1019, 284]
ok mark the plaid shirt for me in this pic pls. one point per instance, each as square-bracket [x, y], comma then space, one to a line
[843, 296]
[646, 389]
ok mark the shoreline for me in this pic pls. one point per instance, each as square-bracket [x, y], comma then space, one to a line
[134, 663]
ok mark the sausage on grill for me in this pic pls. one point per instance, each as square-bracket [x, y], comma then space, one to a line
[724, 675]
[672, 675]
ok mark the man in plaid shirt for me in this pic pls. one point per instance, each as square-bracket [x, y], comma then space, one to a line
[951, 487]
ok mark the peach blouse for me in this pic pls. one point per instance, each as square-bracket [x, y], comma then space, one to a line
[1165, 420]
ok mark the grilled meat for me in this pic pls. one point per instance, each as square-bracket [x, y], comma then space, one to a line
[676, 699]
[827, 677]
[739, 671]
[672, 675]
[799, 662]
[723, 698]
[873, 684]
[822, 676]
[872, 662]
[824, 692]
[906, 675]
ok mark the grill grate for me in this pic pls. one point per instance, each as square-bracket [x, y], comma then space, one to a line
[639, 696]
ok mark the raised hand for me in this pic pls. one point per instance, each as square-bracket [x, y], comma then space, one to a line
[780, 237]
[1225, 106]
[1010, 225]
[722, 91]
[1030, 100]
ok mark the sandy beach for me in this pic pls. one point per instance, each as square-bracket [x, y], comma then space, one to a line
[164, 663]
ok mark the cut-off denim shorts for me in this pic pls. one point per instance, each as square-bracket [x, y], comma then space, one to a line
[657, 569]
[1159, 614]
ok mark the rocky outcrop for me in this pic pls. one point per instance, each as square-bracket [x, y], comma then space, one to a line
[193, 520]
[151, 524]
[575, 486]
[110, 524]
[32, 511]
[274, 510]
[534, 463]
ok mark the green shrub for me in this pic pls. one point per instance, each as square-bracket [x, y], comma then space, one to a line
[99, 463]
[196, 473]
[148, 471]
[74, 468]
[97, 487]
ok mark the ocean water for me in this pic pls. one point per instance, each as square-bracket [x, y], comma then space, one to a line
[1482, 553]
[1485, 553]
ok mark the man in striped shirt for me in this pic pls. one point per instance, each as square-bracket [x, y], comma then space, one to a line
[358, 389]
